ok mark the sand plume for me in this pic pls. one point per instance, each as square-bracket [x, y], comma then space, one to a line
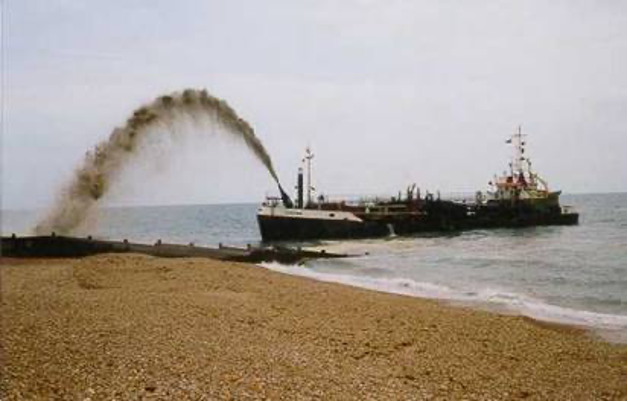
[101, 167]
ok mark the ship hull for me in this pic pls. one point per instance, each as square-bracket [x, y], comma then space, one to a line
[288, 228]
[292, 225]
[525, 221]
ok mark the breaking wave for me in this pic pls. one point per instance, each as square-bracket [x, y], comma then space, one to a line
[611, 326]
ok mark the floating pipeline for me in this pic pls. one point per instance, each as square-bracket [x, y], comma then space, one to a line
[73, 247]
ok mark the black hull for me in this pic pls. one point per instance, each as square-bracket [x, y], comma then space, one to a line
[441, 219]
[285, 228]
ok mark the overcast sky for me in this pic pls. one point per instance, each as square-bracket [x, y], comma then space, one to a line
[385, 92]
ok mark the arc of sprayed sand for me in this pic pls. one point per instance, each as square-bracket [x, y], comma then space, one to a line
[99, 169]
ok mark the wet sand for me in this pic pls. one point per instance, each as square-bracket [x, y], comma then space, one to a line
[139, 327]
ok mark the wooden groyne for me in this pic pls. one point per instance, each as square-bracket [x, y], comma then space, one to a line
[71, 247]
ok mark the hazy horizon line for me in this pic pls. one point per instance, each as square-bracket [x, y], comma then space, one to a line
[116, 206]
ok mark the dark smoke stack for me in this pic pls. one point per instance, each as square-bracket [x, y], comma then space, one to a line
[287, 202]
[300, 189]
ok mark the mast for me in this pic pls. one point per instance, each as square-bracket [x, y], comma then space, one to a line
[308, 160]
[518, 142]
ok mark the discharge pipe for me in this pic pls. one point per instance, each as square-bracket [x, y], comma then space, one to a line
[287, 202]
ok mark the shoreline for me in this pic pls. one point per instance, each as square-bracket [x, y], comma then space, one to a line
[609, 335]
[612, 336]
[134, 327]
[607, 332]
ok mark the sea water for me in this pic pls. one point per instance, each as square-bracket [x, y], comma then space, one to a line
[567, 274]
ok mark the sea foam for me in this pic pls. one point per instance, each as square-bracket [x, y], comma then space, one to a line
[611, 326]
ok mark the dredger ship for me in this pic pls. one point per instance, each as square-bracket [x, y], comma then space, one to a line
[518, 198]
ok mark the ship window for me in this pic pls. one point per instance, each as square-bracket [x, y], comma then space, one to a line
[332, 215]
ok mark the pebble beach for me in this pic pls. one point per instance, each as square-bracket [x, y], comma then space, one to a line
[139, 327]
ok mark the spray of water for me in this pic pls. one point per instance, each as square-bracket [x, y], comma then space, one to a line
[102, 166]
